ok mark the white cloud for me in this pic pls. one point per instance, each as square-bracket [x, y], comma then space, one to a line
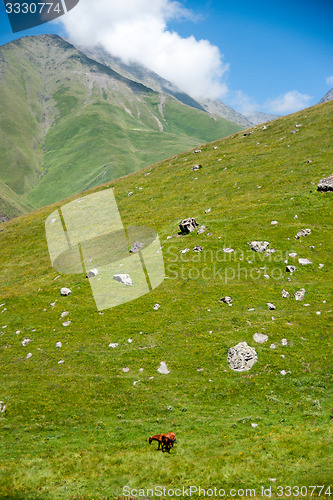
[288, 103]
[329, 80]
[136, 31]
[243, 103]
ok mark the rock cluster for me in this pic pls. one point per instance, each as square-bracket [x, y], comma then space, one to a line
[302, 233]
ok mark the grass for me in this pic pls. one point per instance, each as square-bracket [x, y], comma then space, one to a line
[80, 429]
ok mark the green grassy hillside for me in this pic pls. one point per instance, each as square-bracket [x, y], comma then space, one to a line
[80, 429]
[70, 123]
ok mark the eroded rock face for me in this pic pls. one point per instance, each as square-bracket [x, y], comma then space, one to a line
[326, 184]
[241, 357]
[188, 225]
[258, 246]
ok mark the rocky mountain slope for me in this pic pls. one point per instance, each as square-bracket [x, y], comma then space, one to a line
[327, 97]
[70, 123]
[81, 390]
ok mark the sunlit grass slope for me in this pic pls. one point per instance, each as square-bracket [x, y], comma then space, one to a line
[81, 428]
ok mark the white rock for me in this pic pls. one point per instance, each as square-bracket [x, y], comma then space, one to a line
[320, 266]
[274, 222]
[126, 369]
[113, 345]
[272, 346]
[284, 342]
[283, 372]
[296, 217]
[318, 313]
[254, 425]
[208, 210]
[156, 307]
[92, 273]
[185, 250]
[123, 278]
[228, 250]
[66, 323]
[258, 246]
[285, 294]
[130, 341]
[299, 295]
[61, 362]
[226, 300]
[58, 344]
[260, 338]
[163, 369]
[141, 370]
[64, 292]
[136, 381]
[29, 355]
[241, 357]
[304, 262]
[292, 254]
[64, 314]
[271, 306]
[25, 342]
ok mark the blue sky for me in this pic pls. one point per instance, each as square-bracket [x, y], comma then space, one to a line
[274, 56]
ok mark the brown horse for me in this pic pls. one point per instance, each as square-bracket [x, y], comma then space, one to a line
[165, 441]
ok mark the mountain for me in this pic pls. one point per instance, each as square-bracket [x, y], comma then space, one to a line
[259, 117]
[79, 402]
[143, 75]
[70, 123]
[327, 97]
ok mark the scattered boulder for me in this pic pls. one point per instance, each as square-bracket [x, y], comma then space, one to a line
[197, 151]
[299, 295]
[285, 294]
[302, 233]
[58, 345]
[208, 210]
[126, 369]
[226, 300]
[123, 278]
[136, 247]
[304, 262]
[196, 167]
[258, 246]
[198, 249]
[92, 273]
[188, 225]
[65, 292]
[291, 269]
[2, 407]
[185, 250]
[64, 314]
[156, 307]
[260, 338]
[201, 229]
[326, 184]
[228, 250]
[271, 306]
[113, 345]
[163, 369]
[274, 222]
[66, 323]
[284, 342]
[292, 254]
[28, 356]
[241, 357]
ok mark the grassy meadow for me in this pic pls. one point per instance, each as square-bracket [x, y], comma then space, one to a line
[80, 429]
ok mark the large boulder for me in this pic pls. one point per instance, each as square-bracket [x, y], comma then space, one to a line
[241, 357]
[188, 225]
[326, 184]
